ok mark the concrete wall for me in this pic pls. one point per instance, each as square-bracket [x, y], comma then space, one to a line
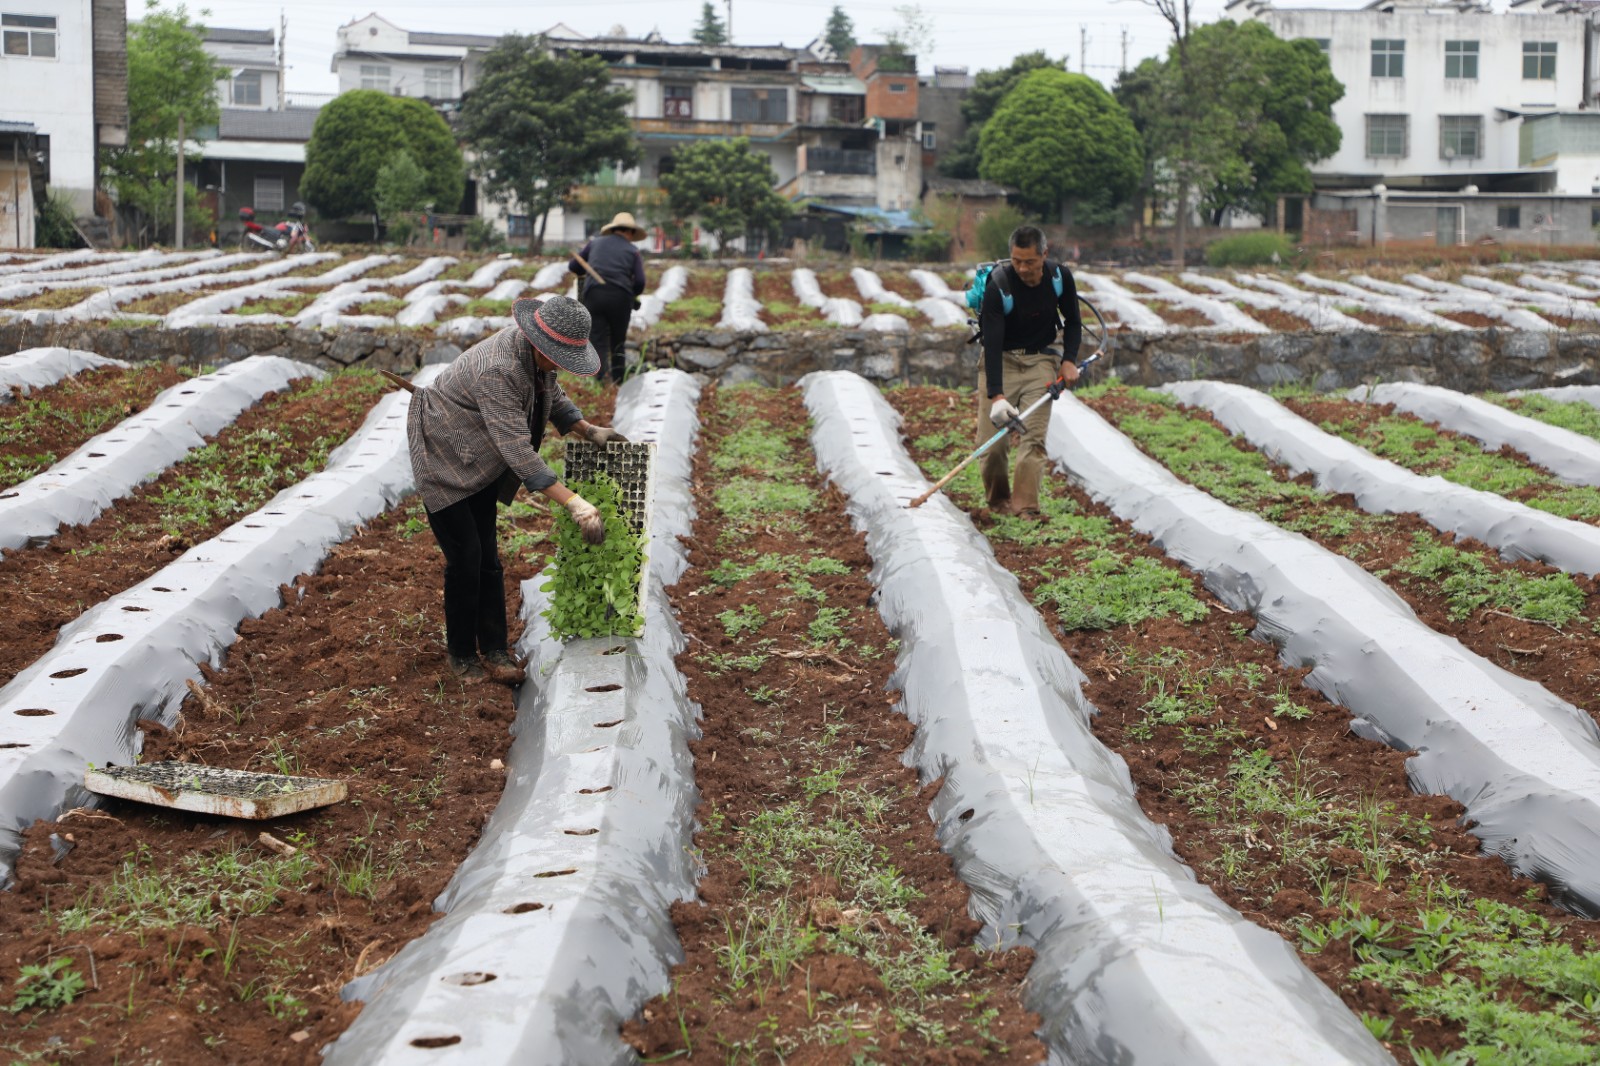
[57, 96]
[1542, 220]
[1469, 360]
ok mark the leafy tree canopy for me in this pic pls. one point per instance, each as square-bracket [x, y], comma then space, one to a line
[170, 77]
[711, 29]
[359, 132]
[840, 33]
[1060, 137]
[541, 124]
[728, 187]
[989, 87]
[1260, 113]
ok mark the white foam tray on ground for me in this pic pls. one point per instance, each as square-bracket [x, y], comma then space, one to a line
[129, 656]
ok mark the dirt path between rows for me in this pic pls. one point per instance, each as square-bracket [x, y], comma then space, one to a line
[44, 426]
[830, 928]
[207, 946]
[282, 439]
[1276, 805]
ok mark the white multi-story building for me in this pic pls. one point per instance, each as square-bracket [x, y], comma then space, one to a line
[1437, 95]
[63, 96]
[252, 68]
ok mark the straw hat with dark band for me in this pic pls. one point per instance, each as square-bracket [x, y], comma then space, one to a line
[624, 226]
[559, 328]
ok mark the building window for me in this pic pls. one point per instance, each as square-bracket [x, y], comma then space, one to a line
[1509, 218]
[897, 86]
[1539, 60]
[1460, 136]
[375, 76]
[28, 36]
[438, 83]
[760, 105]
[247, 89]
[1594, 217]
[1461, 59]
[677, 101]
[930, 140]
[1324, 43]
[847, 110]
[1388, 57]
[1386, 136]
[518, 226]
[269, 194]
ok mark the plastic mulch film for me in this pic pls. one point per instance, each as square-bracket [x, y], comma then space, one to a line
[137, 449]
[37, 368]
[1382, 487]
[1524, 764]
[129, 656]
[1570, 456]
[557, 926]
[1136, 961]
[1589, 394]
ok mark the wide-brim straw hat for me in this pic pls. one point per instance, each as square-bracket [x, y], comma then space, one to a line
[624, 226]
[558, 327]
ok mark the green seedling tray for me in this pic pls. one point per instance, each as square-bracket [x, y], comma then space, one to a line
[631, 465]
[214, 790]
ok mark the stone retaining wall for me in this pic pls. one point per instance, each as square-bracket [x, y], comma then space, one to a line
[1471, 360]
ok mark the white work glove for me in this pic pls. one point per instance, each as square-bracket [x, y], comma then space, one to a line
[587, 515]
[602, 434]
[1003, 412]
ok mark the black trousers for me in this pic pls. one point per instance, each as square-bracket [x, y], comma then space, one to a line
[474, 592]
[610, 307]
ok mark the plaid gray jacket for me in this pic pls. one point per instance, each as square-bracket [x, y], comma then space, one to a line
[483, 417]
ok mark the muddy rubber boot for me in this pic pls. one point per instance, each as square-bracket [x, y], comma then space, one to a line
[466, 669]
[503, 669]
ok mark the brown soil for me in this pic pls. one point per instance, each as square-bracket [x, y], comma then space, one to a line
[837, 284]
[705, 284]
[45, 588]
[809, 707]
[1373, 318]
[1187, 317]
[773, 289]
[1276, 319]
[49, 423]
[49, 300]
[1173, 765]
[897, 281]
[164, 303]
[1472, 319]
[1567, 662]
[349, 680]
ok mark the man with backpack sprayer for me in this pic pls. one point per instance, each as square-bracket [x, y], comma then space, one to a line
[1022, 305]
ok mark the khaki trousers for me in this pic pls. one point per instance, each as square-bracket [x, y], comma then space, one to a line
[1024, 379]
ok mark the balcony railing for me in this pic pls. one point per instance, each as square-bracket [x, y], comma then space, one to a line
[841, 161]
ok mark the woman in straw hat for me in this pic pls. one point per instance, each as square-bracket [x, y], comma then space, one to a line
[612, 300]
[474, 437]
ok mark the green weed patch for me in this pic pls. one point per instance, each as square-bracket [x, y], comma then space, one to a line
[1470, 584]
[1113, 590]
[1576, 416]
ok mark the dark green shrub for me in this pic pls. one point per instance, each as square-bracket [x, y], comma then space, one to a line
[1250, 249]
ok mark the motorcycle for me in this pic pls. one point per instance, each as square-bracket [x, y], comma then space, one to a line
[287, 237]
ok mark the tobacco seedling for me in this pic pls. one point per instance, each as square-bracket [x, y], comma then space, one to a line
[594, 588]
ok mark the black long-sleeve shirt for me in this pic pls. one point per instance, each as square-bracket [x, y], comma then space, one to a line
[1032, 321]
[614, 258]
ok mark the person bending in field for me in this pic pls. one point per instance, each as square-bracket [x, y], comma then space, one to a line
[474, 437]
[1020, 362]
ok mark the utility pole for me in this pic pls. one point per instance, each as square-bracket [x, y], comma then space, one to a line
[177, 239]
[1124, 49]
[283, 31]
[729, 33]
[1083, 48]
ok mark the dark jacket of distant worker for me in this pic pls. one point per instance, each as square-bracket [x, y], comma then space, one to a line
[612, 256]
[1020, 361]
[474, 437]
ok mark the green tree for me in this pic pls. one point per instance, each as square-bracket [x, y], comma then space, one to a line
[728, 187]
[541, 124]
[840, 33]
[171, 80]
[711, 29]
[1059, 138]
[989, 87]
[357, 133]
[400, 190]
[1265, 114]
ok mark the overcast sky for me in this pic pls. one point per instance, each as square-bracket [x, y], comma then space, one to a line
[965, 34]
